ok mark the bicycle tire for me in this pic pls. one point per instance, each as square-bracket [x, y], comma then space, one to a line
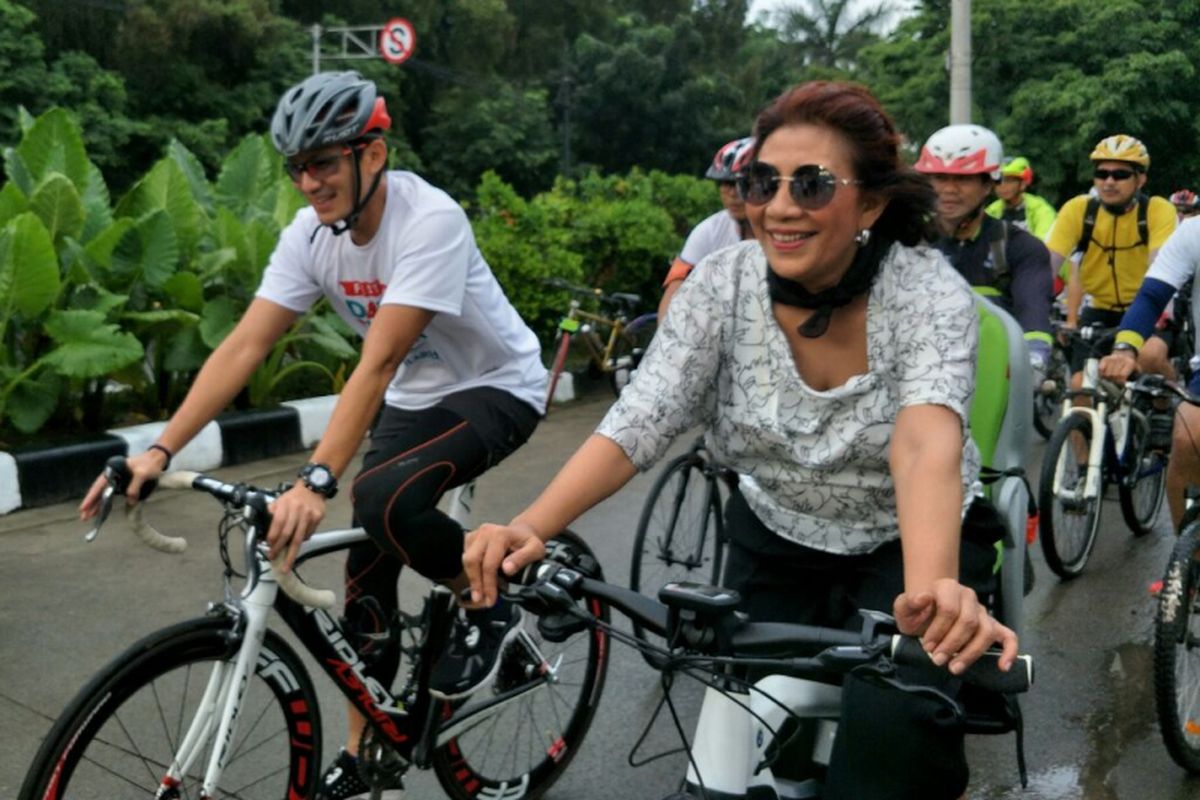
[684, 505]
[628, 350]
[483, 761]
[1176, 655]
[1141, 494]
[1067, 529]
[562, 344]
[121, 730]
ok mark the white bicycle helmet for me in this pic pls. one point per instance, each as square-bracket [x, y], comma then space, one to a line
[962, 150]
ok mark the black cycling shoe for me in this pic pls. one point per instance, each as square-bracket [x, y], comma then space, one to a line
[342, 779]
[472, 655]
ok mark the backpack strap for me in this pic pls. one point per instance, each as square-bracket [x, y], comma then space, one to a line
[1089, 222]
[999, 246]
[1089, 225]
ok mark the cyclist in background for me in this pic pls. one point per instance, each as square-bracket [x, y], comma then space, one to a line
[1118, 232]
[834, 361]
[1016, 204]
[999, 259]
[457, 372]
[1176, 265]
[1186, 203]
[724, 228]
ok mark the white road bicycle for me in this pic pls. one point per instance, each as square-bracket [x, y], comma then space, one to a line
[222, 706]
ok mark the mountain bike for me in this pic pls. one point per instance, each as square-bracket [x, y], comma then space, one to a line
[681, 530]
[1092, 446]
[614, 344]
[223, 707]
[1177, 629]
[743, 724]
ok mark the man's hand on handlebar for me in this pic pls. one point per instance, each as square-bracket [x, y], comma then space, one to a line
[145, 467]
[1119, 366]
[490, 548]
[954, 627]
[295, 514]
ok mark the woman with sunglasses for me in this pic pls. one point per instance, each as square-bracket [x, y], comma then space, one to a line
[833, 362]
[450, 373]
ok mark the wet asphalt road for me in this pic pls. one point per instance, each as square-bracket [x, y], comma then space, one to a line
[66, 608]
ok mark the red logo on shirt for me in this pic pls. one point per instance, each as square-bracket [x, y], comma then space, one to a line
[363, 311]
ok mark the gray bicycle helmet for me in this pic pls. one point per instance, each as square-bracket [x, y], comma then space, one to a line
[327, 108]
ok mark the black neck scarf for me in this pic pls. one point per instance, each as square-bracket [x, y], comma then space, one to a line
[854, 283]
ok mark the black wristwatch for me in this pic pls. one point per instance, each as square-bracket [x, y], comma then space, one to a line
[319, 478]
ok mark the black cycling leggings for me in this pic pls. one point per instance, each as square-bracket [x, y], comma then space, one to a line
[413, 459]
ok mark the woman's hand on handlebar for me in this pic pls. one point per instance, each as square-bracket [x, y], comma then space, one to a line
[954, 627]
[147, 466]
[490, 548]
[295, 514]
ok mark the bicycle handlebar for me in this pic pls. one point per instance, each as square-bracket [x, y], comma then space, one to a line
[723, 634]
[117, 474]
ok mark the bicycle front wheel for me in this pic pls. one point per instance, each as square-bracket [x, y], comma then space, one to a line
[1069, 519]
[1177, 654]
[516, 739]
[679, 535]
[121, 733]
[1143, 485]
[628, 350]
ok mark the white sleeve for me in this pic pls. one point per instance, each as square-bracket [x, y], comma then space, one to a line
[430, 271]
[288, 279]
[1179, 257]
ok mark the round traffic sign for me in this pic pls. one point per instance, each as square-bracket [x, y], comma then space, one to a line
[397, 40]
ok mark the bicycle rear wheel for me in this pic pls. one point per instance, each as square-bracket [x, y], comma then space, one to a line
[542, 703]
[680, 535]
[1177, 654]
[1068, 519]
[628, 350]
[1141, 490]
[119, 735]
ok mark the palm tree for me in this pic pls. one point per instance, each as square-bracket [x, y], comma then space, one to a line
[830, 36]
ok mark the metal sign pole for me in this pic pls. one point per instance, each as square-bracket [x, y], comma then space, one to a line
[316, 48]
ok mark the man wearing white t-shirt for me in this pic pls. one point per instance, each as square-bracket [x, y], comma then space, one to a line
[458, 374]
[724, 228]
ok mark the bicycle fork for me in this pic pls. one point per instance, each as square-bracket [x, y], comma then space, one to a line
[1095, 459]
[224, 694]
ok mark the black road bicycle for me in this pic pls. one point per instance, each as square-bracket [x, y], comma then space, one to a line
[223, 707]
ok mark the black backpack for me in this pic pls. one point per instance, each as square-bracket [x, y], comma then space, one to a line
[1089, 222]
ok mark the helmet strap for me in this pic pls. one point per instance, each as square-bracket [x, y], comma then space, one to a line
[360, 203]
[963, 229]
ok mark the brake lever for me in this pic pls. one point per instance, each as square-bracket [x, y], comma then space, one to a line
[102, 515]
[883, 672]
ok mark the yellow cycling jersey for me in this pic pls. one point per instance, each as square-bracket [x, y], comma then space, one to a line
[1116, 260]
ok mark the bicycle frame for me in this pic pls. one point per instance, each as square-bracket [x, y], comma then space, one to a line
[731, 744]
[570, 325]
[412, 728]
[1109, 424]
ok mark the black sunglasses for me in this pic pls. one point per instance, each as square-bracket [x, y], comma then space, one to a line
[812, 186]
[321, 166]
[1115, 174]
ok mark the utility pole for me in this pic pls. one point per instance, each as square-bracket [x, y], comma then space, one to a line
[960, 61]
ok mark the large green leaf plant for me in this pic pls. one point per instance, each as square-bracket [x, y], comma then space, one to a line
[106, 311]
